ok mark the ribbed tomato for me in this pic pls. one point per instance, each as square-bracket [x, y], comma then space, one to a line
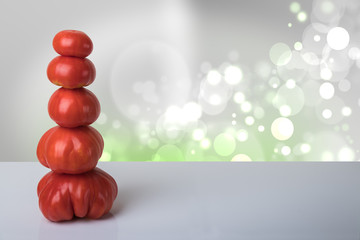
[73, 107]
[72, 43]
[71, 72]
[63, 196]
[70, 150]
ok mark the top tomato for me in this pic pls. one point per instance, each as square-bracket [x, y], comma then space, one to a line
[72, 43]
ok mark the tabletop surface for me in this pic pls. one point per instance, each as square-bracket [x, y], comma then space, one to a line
[202, 201]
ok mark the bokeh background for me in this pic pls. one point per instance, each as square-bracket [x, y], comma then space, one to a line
[189, 80]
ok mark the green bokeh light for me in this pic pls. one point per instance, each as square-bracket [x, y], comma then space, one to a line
[224, 144]
[295, 7]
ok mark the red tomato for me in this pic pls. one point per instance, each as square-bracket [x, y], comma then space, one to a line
[71, 72]
[73, 107]
[70, 150]
[72, 43]
[63, 196]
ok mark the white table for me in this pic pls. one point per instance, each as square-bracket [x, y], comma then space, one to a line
[200, 201]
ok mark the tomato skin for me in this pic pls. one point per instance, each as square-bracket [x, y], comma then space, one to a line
[71, 72]
[70, 150]
[63, 196]
[73, 107]
[40, 151]
[72, 43]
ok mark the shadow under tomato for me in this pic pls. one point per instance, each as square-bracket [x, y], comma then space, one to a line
[79, 228]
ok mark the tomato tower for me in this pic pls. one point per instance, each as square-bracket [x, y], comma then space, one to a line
[74, 187]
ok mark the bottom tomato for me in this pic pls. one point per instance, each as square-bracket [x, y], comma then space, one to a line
[64, 196]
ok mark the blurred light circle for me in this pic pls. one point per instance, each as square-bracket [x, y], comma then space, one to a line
[327, 90]
[354, 53]
[338, 38]
[285, 111]
[326, 73]
[295, 7]
[193, 152]
[146, 78]
[346, 154]
[239, 97]
[302, 16]
[224, 144]
[290, 83]
[198, 134]
[344, 85]
[327, 11]
[241, 158]
[261, 128]
[345, 127]
[305, 148]
[280, 54]
[242, 135]
[293, 98]
[274, 82]
[213, 98]
[295, 69]
[249, 120]
[298, 46]
[169, 128]
[333, 106]
[233, 75]
[317, 38]
[210, 108]
[301, 149]
[314, 38]
[327, 7]
[213, 77]
[168, 152]
[208, 91]
[326, 113]
[310, 58]
[338, 62]
[285, 150]
[246, 107]
[205, 143]
[282, 128]
[346, 111]
[192, 111]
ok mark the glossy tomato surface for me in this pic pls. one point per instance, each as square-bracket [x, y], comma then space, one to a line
[71, 72]
[73, 107]
[70, 150]
[63, 196]
[72, 43]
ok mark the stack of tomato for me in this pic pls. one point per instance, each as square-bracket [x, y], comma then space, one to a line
[74, 187]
